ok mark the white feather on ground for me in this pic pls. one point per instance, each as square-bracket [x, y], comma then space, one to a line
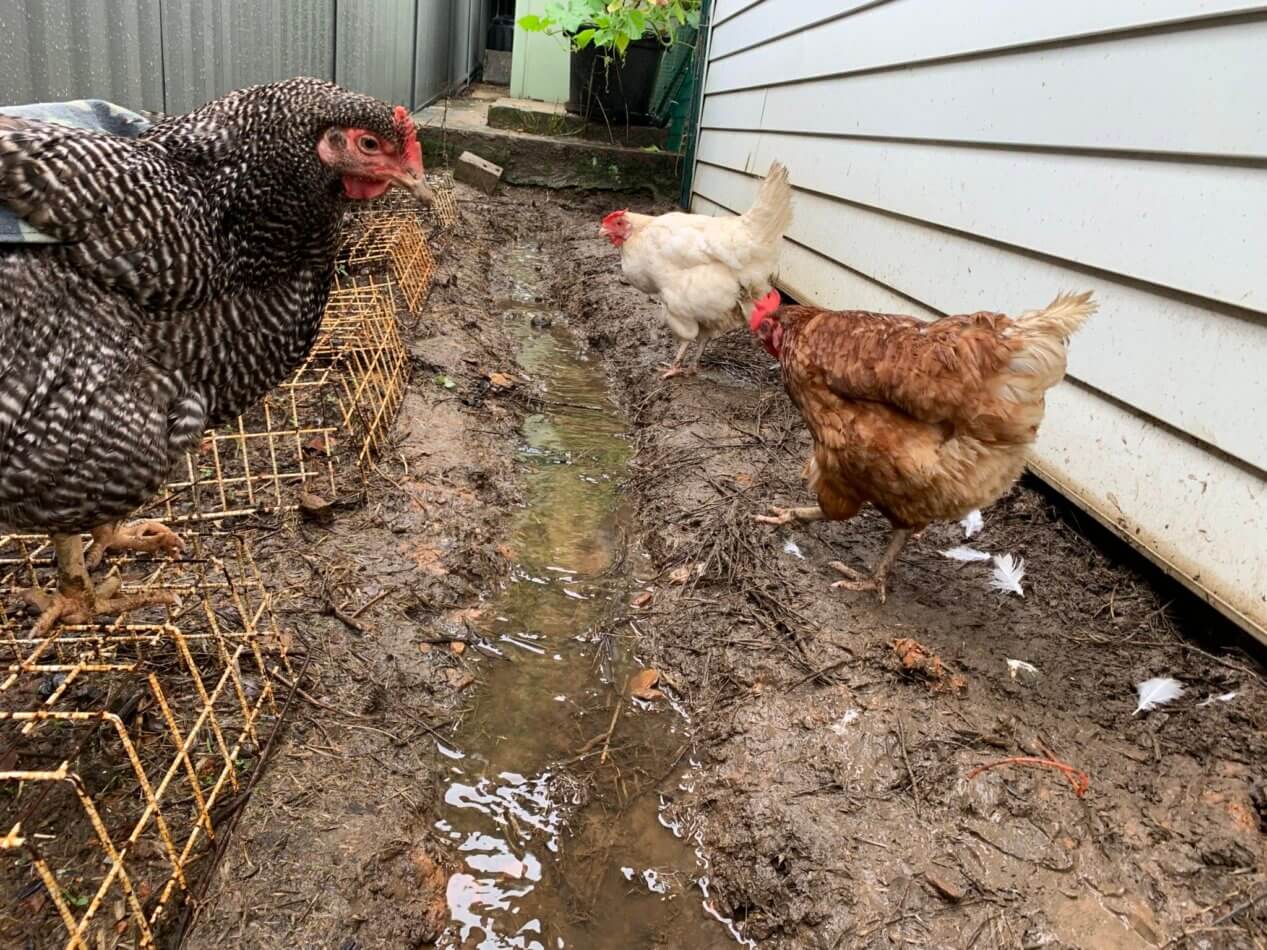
[1008, 572]
[1020, 666]
[965, 553]
[1156, 691]
[972, 523]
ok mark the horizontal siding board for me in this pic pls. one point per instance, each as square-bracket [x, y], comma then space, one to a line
[1138, 218]
[758, 23]
[1122, 94]
[1193, 369]
[1203, 519]
[912, 31]
[724, 10]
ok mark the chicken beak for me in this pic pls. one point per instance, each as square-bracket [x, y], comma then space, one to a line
[415, 182]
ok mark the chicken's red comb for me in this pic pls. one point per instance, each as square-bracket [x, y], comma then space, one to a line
[763, 308]
[407, 132]
[611, 218]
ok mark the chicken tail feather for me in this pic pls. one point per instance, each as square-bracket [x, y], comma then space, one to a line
[1039, 362]
[1060, 319]
[771, 214]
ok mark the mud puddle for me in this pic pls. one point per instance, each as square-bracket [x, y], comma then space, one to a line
[554, 796]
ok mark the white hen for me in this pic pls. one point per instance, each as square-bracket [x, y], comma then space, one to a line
[706, 271]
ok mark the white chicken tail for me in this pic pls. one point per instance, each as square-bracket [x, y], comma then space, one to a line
[1040, 363]
[1060, 319]
[771, 213]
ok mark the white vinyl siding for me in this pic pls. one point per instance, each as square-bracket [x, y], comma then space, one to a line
[987, 154]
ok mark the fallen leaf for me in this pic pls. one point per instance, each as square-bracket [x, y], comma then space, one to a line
[642, 599]
[314, 507]
[642, 685]
[458, 680]
[445, 380]
[458, 647]
[744, 479]
[321, 443]
[34, 903]
[917, 658]
[424, 648]
[501, 380]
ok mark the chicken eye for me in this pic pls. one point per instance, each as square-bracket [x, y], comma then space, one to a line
[369, 143]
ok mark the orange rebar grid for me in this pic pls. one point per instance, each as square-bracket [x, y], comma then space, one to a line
[150, 724]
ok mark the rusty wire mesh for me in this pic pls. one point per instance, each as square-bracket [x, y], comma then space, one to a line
[124, 746]
[339, 403]
[443, 211]
[392, 236]
[445, 208]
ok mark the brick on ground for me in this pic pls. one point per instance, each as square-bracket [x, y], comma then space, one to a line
[477, 172]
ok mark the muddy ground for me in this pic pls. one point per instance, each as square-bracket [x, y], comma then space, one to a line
[835, 795]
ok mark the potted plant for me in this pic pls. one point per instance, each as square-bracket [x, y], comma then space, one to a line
[616, 50]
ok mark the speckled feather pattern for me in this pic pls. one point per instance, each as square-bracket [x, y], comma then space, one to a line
[198, 262]
[925, 421]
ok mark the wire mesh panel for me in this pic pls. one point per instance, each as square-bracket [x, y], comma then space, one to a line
[340, 402]
[413, 265]
[123, 745]
[445, 208]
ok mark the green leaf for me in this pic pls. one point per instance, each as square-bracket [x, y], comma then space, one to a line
[533, 23]
[584, 38]
[445, 381]
[622, 43]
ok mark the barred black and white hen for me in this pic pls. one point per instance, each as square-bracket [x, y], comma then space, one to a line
[187, 274]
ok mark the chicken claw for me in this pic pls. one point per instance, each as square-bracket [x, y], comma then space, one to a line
[676, 370]
[858, 581]
[148, 536]
[80, 604]
[878, 580]
[788, 515]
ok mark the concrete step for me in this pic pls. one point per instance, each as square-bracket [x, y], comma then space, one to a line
[450, 127]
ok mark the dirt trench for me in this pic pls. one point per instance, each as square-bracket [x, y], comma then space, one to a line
[833, 784]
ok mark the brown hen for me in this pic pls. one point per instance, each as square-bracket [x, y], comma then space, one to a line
[926, 421]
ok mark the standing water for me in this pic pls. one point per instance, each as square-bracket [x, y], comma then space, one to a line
[559, 827]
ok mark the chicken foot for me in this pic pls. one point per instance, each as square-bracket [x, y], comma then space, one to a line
[76, 600]
[788, 515]
[877, 580]
[148, 536]
[677, 369]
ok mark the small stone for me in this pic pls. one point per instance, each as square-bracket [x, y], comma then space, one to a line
[946, 889]
[477, 172]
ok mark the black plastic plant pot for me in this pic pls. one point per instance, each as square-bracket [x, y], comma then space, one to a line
[617, 92]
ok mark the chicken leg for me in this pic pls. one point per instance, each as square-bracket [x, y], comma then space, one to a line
[788, 515]
[676, 368]
[76, 600]
[877, 580]
[148, 536]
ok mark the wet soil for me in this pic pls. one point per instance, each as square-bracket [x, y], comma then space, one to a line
[828, 793]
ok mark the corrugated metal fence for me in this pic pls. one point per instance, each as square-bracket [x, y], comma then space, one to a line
[172, 55]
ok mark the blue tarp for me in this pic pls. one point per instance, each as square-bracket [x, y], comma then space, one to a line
[81, 114]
